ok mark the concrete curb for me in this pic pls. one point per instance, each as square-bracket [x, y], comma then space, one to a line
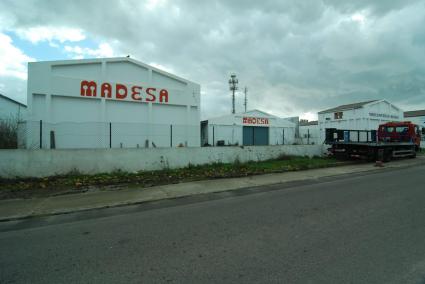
[19, 209]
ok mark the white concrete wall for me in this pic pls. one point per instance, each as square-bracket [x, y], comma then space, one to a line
[41, 163]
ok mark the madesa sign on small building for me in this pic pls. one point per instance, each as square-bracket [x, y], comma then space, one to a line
[255, 120]
[122, 92]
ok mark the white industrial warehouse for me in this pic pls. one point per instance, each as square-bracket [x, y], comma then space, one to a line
[358, 116]
[109, 103]
[253, 127]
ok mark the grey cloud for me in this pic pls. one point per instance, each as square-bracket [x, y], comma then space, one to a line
[15, 86]
[295, 56]
[376, 7]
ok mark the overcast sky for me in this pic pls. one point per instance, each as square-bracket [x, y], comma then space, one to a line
[296, 57]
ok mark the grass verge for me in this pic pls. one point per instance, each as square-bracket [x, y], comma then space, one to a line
[75, 182]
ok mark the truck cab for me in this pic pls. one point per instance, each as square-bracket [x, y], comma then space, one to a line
[400, 132]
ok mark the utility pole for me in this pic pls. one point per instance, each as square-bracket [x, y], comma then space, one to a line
[245, 103]
[233, 84]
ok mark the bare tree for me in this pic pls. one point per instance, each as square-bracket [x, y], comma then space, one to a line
[9, 133]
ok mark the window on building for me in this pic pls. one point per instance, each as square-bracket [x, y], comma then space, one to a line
[338, 115]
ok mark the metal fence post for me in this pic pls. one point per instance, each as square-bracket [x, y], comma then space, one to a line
[171, 135]
[110, 134]
[213, 137]
[52, 140]
[308, 136]
[41, 134]
[283, 136]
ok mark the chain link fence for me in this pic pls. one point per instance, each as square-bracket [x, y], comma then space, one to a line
[102, 135]
[237, 135]
[309, 139]
[309, 136]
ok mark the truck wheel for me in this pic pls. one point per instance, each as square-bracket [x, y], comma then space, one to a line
[413, 153]
[388, 156]
[371, 157]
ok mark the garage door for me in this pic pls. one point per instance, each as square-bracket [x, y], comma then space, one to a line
[253, 135]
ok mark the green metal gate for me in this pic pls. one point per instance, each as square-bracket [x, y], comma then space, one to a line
[254, 135]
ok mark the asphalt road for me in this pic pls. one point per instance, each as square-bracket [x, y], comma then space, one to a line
[367, 228]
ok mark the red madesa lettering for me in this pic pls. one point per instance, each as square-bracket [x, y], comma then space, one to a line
[255, 120]
[89, 89]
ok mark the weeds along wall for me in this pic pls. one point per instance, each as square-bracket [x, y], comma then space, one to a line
[42, 163]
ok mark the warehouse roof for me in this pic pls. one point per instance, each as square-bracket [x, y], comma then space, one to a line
[414, 113]
[110, 60]
[12, 100]
[236, 119]
[255, 112]
[347, 107]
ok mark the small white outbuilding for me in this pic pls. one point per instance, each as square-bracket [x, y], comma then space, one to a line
[254, 127]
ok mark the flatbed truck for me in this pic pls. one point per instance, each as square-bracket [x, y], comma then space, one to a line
[391, 140]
